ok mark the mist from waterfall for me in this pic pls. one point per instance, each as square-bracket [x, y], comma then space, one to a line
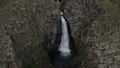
[64, 44]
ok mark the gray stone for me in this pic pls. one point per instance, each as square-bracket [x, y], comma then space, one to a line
[102, 66]
[117, 58]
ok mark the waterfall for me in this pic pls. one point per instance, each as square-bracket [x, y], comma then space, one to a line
[64, 44]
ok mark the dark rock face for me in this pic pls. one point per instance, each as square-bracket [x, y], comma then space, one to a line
[81, 14]
[30, 32]
[28, 26]
[90, 21]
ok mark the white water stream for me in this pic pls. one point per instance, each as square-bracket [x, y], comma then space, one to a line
[64, 45]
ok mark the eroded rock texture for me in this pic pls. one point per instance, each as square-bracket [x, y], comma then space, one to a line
[27, 27]
[30, 32]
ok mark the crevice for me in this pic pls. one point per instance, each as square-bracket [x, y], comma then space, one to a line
[59, 0]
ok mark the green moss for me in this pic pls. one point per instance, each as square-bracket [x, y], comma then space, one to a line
[43, 61]
[81, 49]
[43, 56]
[38, 57]
[34, 66]
[82, 58]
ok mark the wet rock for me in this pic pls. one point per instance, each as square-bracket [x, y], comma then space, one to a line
[30, 32]
[102, 66]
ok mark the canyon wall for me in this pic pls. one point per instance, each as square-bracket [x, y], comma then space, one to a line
[30, 32]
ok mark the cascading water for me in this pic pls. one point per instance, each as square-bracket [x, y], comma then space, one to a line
[64, 45]
[65, 53]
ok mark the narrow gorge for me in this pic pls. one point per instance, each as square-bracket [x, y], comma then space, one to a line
[59, 34]
[66, 53]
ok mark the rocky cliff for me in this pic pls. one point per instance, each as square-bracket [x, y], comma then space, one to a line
[30, 32]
